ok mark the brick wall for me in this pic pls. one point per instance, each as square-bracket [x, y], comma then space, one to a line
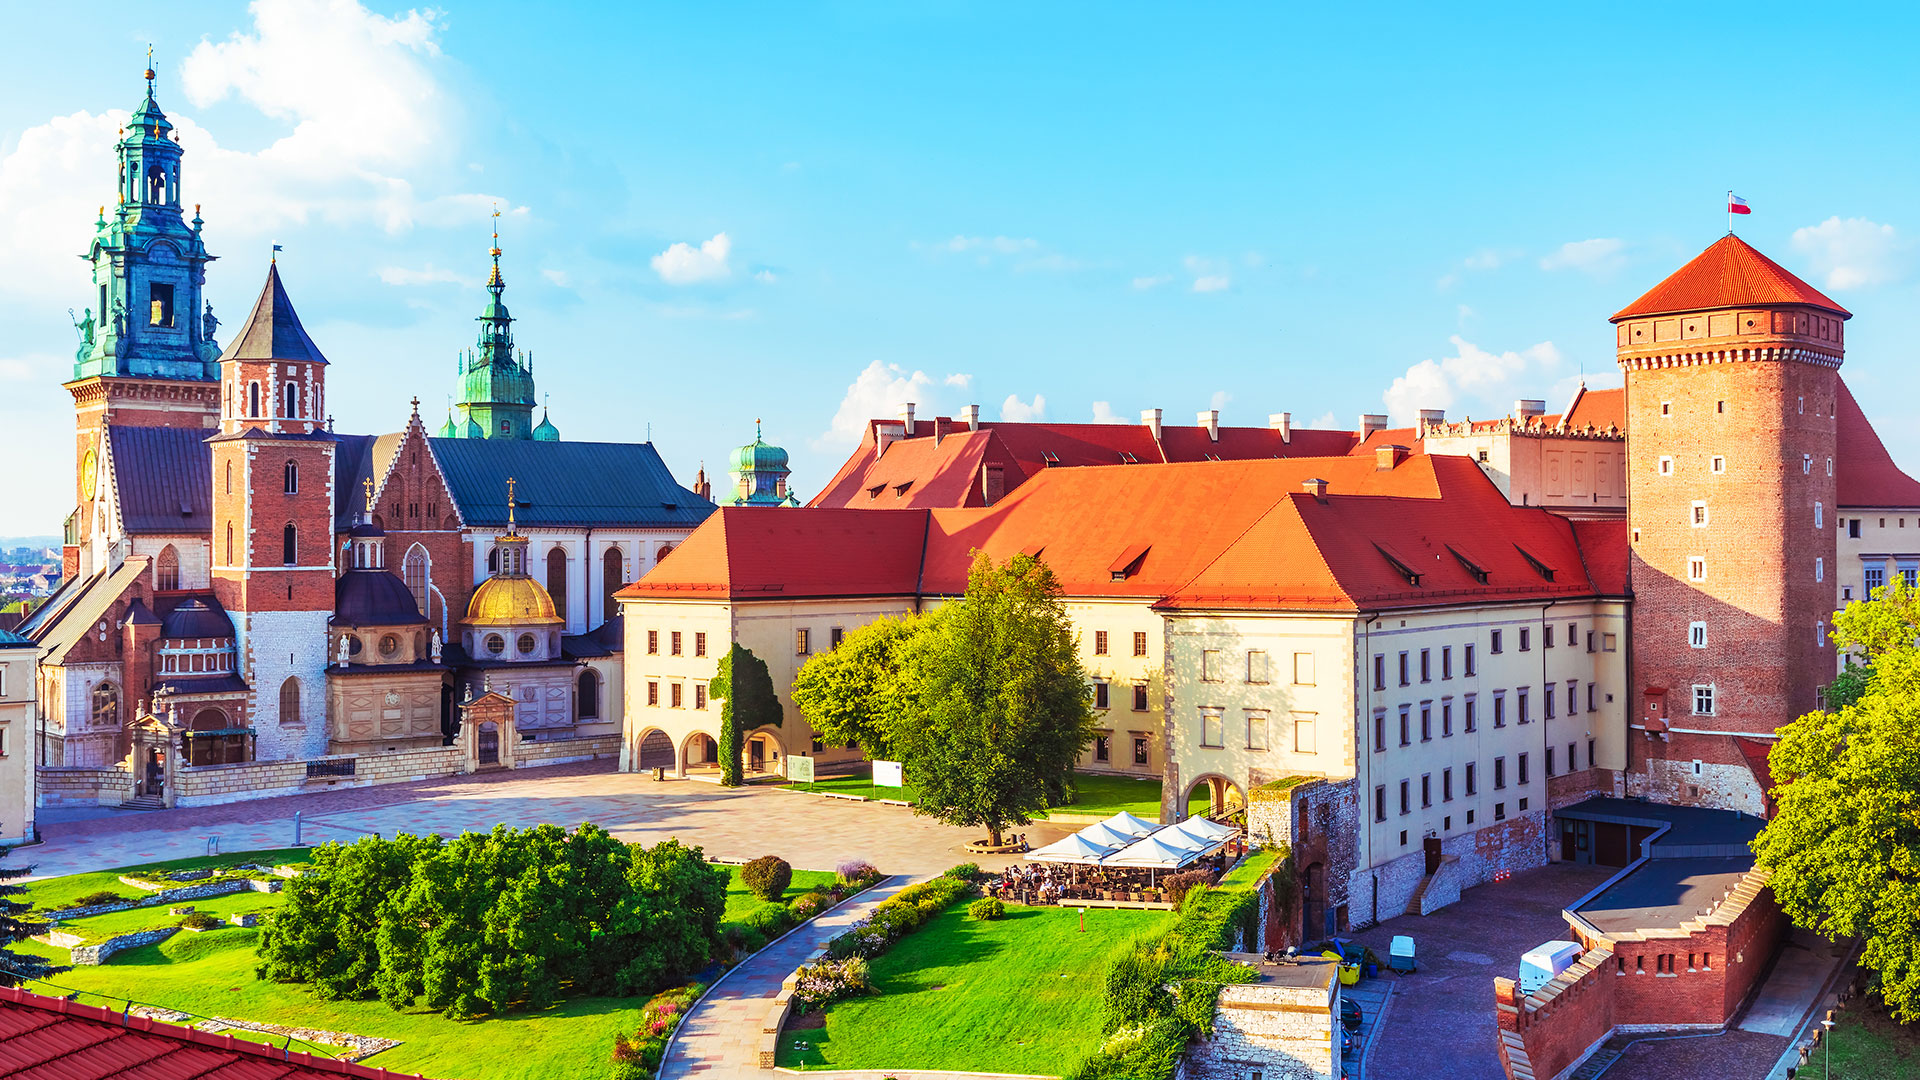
[530, 755]
[1569, 788]
[1558, 1025]
[69, 786]
[212, 785]
[1281, 1031]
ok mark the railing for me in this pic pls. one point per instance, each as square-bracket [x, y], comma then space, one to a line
[338, 767]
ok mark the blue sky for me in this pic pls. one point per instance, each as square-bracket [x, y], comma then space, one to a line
[808, 213]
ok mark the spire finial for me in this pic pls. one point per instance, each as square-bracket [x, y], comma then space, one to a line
[149, 69]
[416, 404]
[368, 484]
[756, 429]
[510, 523]
[493, 280]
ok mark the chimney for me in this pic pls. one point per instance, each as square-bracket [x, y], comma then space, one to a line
[906, 418]
[1385, 458]
[1432, 417]
[1528, 408]
[1372, 422]
[1210, 419]
[1315, 487]
[970, 415]
[1151, 418]
[1282, 422]
[993, 482]
[885, 434]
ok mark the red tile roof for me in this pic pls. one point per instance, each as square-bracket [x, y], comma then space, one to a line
[44, 1038]
[1600, 408]
[1865, 473]
[1603, 544]
[768, 552]
[1730, 273]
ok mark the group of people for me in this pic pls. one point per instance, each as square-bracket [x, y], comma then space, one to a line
[1055, 883]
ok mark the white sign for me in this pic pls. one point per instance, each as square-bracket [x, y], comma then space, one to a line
[887, 774]
[799, 769]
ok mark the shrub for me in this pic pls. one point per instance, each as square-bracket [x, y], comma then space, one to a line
[897, 916]
[858, 873]
[200, 920]
[1178, 885]
[811, 903]
[96, 899]
[767, 877]
[966, 871]
[828, 981]
[986, 909]
[771, 920]
[639, 1057]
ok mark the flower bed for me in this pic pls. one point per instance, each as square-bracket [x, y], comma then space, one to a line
[639, 1057]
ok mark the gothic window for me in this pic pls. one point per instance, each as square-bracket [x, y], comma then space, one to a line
[493, 561]
[253, 399]
[613, 574]
[287, 545]
[229, 559]
[414, 572]
[106, 706]
[290, 701]
[290, 401]
[587, 697]
[293, 478]
[229, 477]
[557, 580]
[166, 569]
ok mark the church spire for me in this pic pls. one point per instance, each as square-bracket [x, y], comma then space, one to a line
[496, 385]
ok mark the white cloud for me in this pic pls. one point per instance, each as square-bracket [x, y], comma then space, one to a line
[1853, 252]
[765, 277]
[1154, 282]
[1473, 378]
[1325, 422]
[558, 277]
[1597, 256]
[1016, 411]
[365, 119]
[1219, 399]
[1103, 414]
[998, 245]
[684, 264]
[1211, 283]
[1209, 275]
[1482, 260]
[426, 275]
[877, 394]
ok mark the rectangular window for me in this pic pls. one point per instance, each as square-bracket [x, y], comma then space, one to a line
[1467, 660]
[1379, 671]
[1210, 665]
[1526, 639]
[1499, 811]
[1426, 721]
[1872, 580]
[1853, 528]
[1696, 568]
[1257, 667]
[673, 694]
[1573, 757]
[1526, 713]
[1499, 773]
[1446, 661]
[1472, 714]
[1406, 725]
[1139, 643]
[1446, 785]
[653, 693]
[1406, 797]
[1103, 748]
[1718, 464]
[1546, 637]
[1140, 750]
[699, 695]
[1256, 731]
[1404, 680]
[1379, 730]
[1212, 728]
[1819, 517]
[1699, 515]
[1493, 646]
[1303, 669]
[1609, 642]
[1446, 718]
[1666, 465]
[1697, 635]
[653, 642]
[1099, 643]
[1139, 697]
[1573, 696]
[1703, 701]
[1099, 694]
[1520, 768]
[1499, 708]
[675, 639]
[1589, 753]
[802, 642]
[835, 636]
[1426, 665]
[699, 643]
[161, 296]
[1426, 790]
[1303, 733]
[1379, 802]
[1820, 569]
[1473, 784]
[1546, 703]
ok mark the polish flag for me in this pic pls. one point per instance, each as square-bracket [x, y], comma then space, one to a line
[1737, 205]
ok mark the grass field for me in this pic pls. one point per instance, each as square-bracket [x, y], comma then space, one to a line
[1021, 994]
[1868, 1043]
[62, 891]
[1098, 794]
[211, 974]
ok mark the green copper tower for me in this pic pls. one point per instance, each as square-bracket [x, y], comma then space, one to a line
[496, 386]
[760, 474]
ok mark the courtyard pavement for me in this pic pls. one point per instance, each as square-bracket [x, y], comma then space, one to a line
[729, 823]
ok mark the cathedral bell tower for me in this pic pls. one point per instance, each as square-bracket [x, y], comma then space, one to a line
[1731, 369]
[496, 385]
[146, 355]
[273, 500]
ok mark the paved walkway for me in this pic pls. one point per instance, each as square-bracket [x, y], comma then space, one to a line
[733, 823]
[721, 1036]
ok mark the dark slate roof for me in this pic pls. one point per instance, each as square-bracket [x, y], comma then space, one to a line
[164, 478]
[374, 598]
[196, 618]
[357, 458]
[273, 330]
[1663, 893]
[9, 639]
[139, 615]
[203, 684]
[1697, 831]
[565, 484]
[607, 639]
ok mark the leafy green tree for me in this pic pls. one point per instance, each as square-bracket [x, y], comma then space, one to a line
[16, 968]
[328, 933]
[748, 702]
[858, 692]
[1005, 709]
[668, 926]
[1844, 846]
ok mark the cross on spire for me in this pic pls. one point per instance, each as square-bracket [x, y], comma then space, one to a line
[149, 68]
[368, 484]
[510, 530]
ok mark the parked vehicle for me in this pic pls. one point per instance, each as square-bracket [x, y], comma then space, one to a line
[1350, 1015]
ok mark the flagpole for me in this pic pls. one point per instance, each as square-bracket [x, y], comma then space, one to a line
[1729, 211]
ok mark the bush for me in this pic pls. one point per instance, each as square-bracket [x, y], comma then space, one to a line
[96, 899]
[771, 920]
[897, 916]
[966, 871]
[767, 877]
[200, 920]
[828, 981]
[985, 910]
[810, 903]
[639, 1057]
[858, 873]
[1178, 885]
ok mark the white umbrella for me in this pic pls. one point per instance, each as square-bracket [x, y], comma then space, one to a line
[1074, 849]
[1129, 825]
[1175, 836]
[1151, 852]
[1105, 834]
[1200, 826]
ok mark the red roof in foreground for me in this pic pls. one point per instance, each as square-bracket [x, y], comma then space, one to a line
[1865, 473]
[44, 1038]
[774, 552]
[1730, 273]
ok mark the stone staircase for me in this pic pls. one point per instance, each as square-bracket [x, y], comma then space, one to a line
[1419, 904]
[144, 802]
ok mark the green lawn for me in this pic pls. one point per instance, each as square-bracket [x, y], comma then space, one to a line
[1021, 994]
[1867, 1043]
[63, 891]
[211, 974]
[1098, 793]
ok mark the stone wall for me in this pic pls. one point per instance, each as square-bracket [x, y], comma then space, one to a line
[168, 896]
[1318, 820]
[1518, 843]
[211, 785]
[530, 755]
[1569, 788]
[84, 955]
[1283, 1032]
[73, 786]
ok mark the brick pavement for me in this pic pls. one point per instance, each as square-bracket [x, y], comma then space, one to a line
[733, 823]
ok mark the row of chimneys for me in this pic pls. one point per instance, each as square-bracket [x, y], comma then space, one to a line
[1282, 422]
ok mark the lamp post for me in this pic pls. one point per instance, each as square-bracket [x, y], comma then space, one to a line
[1828, 1039]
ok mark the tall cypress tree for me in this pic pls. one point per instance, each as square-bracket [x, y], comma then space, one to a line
[748, 702]
[16, 968]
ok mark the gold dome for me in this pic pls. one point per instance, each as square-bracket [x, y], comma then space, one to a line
[511, 601]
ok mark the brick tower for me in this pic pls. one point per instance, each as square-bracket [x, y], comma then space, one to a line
[147, 355]
[273, 557]
[1730, 368]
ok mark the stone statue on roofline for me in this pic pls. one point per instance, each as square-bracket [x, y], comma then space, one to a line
[436, 646]
[84, 327]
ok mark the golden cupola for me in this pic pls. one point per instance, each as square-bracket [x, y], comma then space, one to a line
[511, 616]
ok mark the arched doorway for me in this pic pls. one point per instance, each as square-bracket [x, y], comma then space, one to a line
[700, 751]
[586, 697]
[763, 754]
[212, 741]
[1225, 799]
[656, 750]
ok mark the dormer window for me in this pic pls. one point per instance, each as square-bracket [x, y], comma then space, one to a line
[1128, 564]
[1400, 567]
[1050, 457]
[1479, 573]
[1545, 571]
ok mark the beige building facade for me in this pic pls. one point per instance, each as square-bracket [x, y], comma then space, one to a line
[17, 795]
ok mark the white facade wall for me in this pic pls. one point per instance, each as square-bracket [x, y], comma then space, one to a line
[17, 794]
[1124, 727]
[277, 645]
[586, 572]
[195, 552]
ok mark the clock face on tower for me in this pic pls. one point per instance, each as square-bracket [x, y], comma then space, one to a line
[86, 475]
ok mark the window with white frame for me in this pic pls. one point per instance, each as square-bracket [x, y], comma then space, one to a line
[1666, 465]
[1257, 666]
[1820, 568]
[1806, 464]
[1820, 634]
[1872, 578]
[1718, 464]
[1696, 568]
[1819, 517]
[1303, 733]
[1699, 515]
[1212, 728]
[1703, 701]
[1697, 635]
